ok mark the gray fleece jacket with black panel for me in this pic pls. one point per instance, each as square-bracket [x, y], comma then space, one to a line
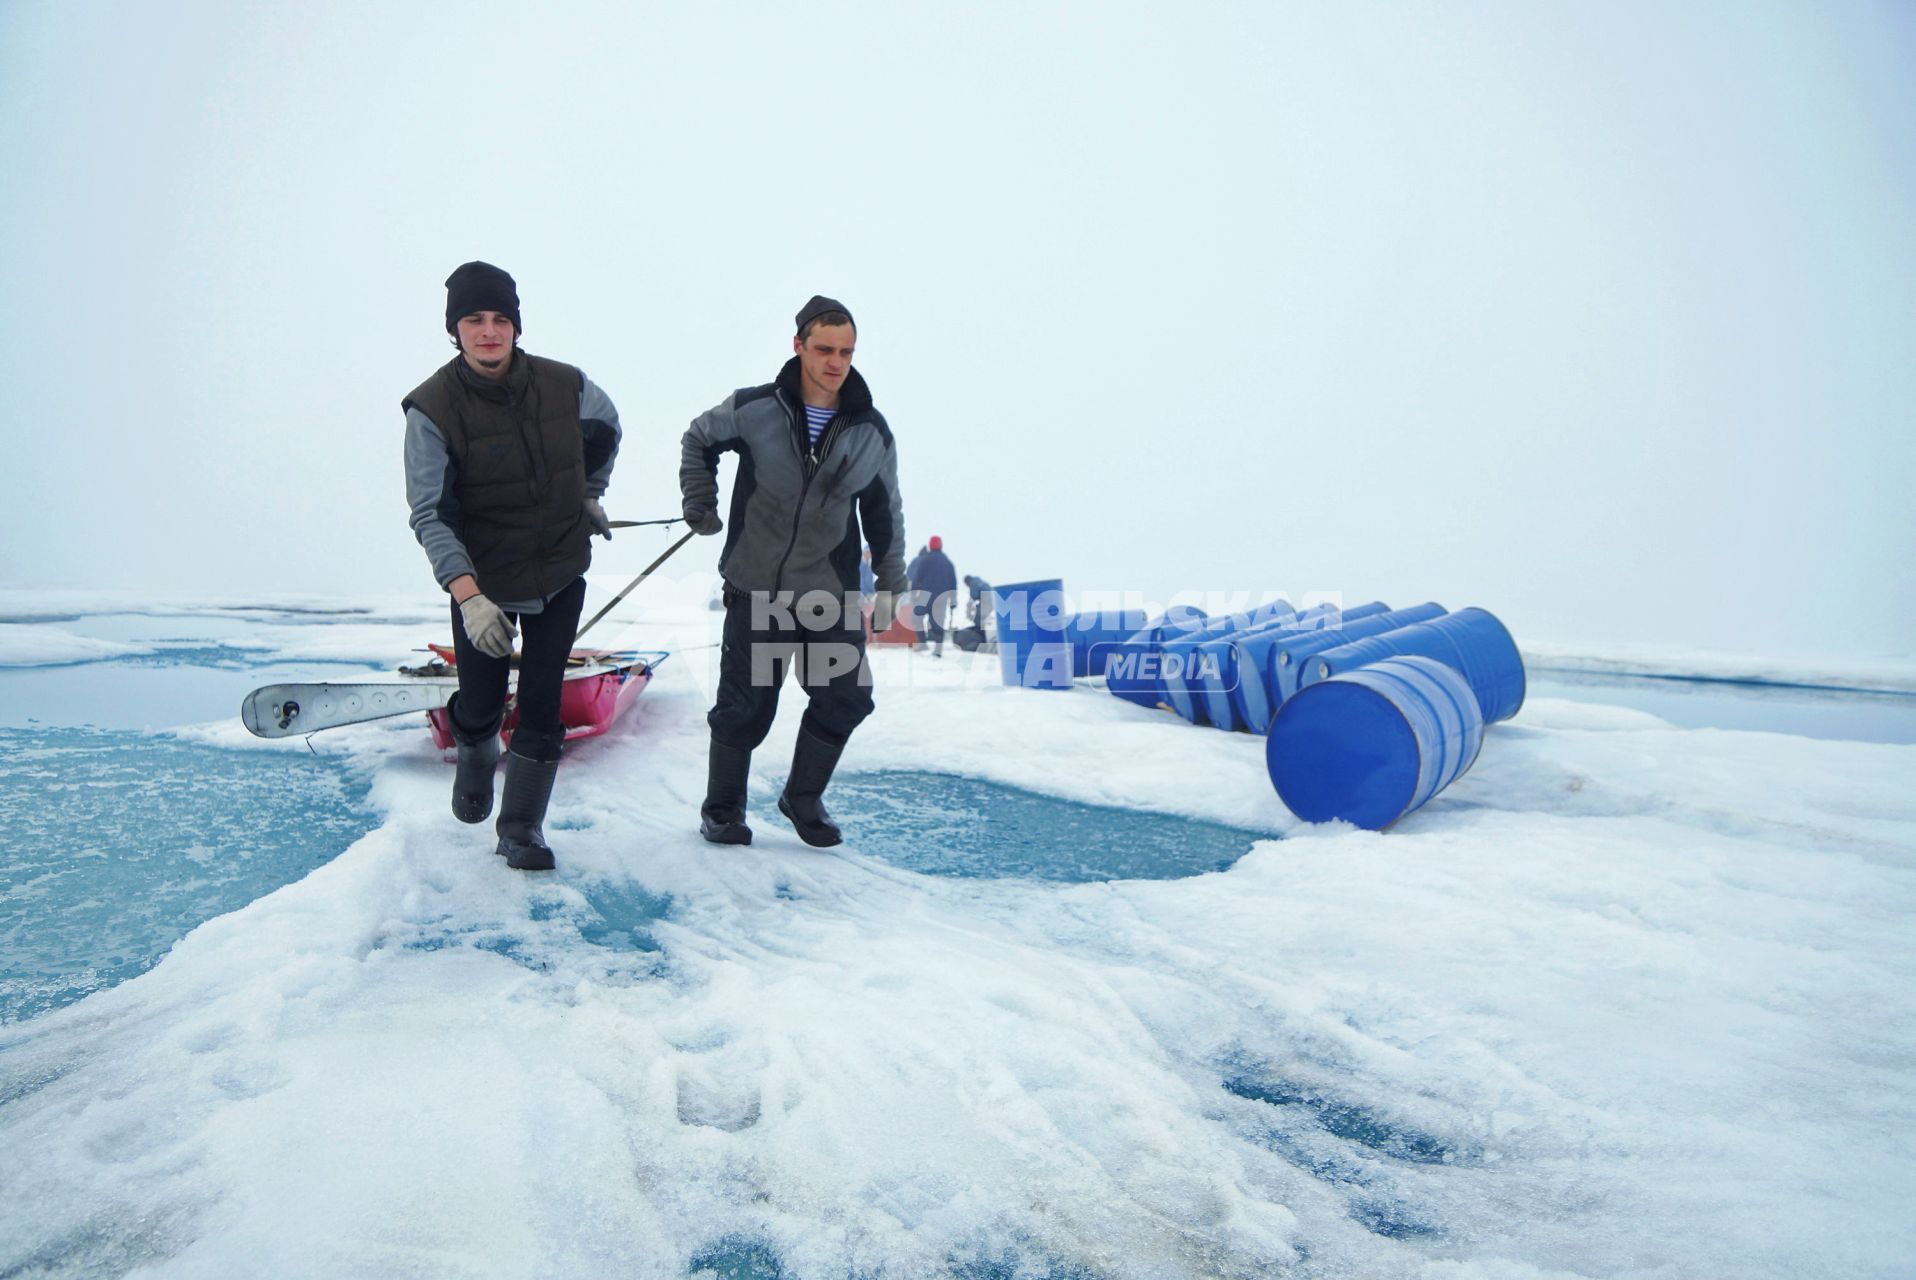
[797, 510]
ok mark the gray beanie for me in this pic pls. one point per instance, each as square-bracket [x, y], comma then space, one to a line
[821, 305]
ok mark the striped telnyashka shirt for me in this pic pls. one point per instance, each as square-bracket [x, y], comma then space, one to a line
[816, 420]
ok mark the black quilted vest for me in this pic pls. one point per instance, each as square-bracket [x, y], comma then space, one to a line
[519, 456]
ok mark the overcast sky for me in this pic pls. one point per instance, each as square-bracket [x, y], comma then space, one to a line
[1602, 317]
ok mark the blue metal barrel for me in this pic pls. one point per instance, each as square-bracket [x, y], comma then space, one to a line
[1471, 641]
[1371, 745]
[1233, 663]
[1256, 698]
[1033, 651]
[1184, 662]
[1094, 637]
[1133, 672]
[1231, 677]
[1285, 660]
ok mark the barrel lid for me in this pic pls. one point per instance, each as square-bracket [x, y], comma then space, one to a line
[1342, 750]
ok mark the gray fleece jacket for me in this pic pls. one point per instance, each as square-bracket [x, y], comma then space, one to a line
[797, 511]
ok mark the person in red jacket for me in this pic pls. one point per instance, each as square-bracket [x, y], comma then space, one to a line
[934, 584]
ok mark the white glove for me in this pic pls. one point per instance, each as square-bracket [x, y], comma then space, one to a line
[884, 611]
[595, 516]
[491, 632]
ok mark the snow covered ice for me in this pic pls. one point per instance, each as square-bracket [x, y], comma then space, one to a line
[1626, 1000]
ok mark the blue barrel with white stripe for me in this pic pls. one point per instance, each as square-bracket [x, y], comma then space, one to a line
[1286, 660]
[1033, 652]
[1184, 662]
[1472, 641]
[1239, 658]
[1256, 698]
[1180, 655]
[1232, 686]
[1371, 745]
[1095, 637]
[1134, 671]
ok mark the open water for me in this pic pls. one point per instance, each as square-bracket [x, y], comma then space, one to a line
[1720, 704]
[119, 843]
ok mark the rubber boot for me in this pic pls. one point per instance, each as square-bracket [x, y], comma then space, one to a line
[522, 809]
[722, 816]
[472, 777]
[812, 765]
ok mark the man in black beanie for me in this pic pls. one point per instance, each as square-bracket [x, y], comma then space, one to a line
[816, 464]
[507, 456]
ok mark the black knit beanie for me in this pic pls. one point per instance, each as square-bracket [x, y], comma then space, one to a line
[818, 306]
[480, 286]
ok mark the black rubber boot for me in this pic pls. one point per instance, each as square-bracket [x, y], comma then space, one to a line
[478, 759]
[522, 809]
[722, 816]
[812, 765]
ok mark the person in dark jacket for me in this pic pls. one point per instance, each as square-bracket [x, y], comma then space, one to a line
[933, 585]
[507, 456]
[816, 467]
[972, 635]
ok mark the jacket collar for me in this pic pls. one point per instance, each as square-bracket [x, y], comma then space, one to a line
[509, 389]
[853, 398]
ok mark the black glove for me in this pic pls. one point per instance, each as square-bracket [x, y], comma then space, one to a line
[703, 521]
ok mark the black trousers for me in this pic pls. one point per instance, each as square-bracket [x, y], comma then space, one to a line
[545, 639]
[754, 661]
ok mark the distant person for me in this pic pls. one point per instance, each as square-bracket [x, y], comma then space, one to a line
[822, 469]
[912, 614]
[972, 634]
[507, 456]
[867, 581]
[933, 584]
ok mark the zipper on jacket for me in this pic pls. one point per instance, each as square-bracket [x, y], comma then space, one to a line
[804, 487]
[533, 442]
[809, 462]
[830, 438]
